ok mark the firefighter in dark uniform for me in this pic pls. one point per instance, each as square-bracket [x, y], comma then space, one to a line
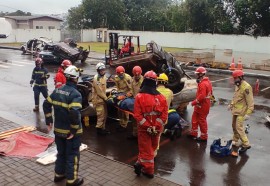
[66, 102]
[39, 79]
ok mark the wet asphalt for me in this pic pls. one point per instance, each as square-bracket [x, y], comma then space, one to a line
[183, 161]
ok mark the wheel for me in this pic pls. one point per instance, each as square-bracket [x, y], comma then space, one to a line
[174, 82]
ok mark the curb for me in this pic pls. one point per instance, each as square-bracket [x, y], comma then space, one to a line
[220, 71]
[7, 47]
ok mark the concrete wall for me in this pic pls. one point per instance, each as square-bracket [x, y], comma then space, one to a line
[241, 43]
[23, 35]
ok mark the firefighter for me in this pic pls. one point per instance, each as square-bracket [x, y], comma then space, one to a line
[123, 84]
[100, 98]
[39, 79]
[136, 83]
[67, 102]
[162, 80]
[173, 116]
[60, 78]
[150, 112]
[201, 106]
[241, 107]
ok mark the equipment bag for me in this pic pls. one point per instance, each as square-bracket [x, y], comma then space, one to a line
[221, 147]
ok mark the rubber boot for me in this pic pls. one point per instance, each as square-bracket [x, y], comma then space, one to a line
[36, 109]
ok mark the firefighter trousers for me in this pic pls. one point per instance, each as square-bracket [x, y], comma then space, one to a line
[239, 131]
[101, 110]
[37, 90]
[147, 145]
[199, 121]
[68, 156]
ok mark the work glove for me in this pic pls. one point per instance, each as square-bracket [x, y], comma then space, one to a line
[246, 117]
[193, 103]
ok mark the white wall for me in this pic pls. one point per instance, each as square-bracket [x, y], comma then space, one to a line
[23, 35]
[241, 43]
[46, 24]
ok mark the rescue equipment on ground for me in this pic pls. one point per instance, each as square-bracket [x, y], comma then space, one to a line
[221, 147]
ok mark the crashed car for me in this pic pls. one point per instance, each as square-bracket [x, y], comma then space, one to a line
[154, 58]
[34, 46]
[57, 52]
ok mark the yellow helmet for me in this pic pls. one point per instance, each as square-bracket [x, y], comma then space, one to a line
[163, 78]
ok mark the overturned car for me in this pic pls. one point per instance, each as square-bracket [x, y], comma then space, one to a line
[57, 52]
[154, 58]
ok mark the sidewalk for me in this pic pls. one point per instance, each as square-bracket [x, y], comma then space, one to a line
[94, 168]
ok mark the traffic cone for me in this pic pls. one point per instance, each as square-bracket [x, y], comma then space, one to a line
[232, 66]
[239, 65]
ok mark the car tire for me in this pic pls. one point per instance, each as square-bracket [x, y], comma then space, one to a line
[23, 51]
[174, 78]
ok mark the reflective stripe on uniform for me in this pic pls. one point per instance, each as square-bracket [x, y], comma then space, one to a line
[75, 126]
[63, 131]
[160, 121]
[40, 85]
[171, 110]
[147, 161]
[142, 121]
[48, 115]
[151, 113]
[65, 105]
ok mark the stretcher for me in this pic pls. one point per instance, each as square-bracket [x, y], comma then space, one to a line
[125, 111]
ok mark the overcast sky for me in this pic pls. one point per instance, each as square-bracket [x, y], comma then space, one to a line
[38, 6]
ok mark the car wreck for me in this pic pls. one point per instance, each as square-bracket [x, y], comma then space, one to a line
[34, 46]
[57, 52]
[153, 58]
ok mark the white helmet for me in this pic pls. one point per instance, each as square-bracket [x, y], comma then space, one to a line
[72, 72]
[100, 66]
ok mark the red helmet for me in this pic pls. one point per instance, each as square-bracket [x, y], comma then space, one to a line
[150, 75]
[200, 70]
[38, 61]
[137, 70]
[237, 73]
[66, 63]
[120, 70]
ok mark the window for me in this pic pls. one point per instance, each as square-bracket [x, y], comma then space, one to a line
[39, 27]
[51, 27]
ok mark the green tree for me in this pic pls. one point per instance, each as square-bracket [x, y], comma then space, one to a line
[250, 16]
[97, 13]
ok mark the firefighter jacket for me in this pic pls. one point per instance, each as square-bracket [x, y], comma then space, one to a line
[40, 76]
[150, 110]
[136, 85]
[242, 102]
[123, 85]
[99, 90]
[67, 102]
[167, 93]
[203, 95]
[60, 78]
